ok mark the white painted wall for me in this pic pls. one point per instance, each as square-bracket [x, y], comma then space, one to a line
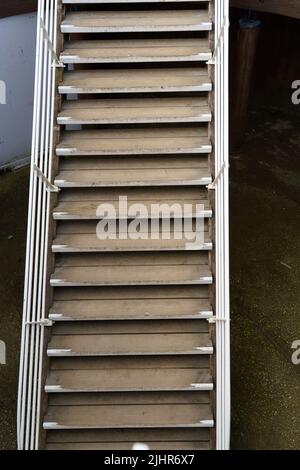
[17, 60]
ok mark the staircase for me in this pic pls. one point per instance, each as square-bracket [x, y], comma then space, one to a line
[128, 342]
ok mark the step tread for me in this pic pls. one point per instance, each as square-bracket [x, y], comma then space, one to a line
[116, 436]
[130, 303]
[128, 416]
[86, 172]
[153, 445]
[132, 293]
[129, 309]
[132, 259]
[163, 202]
[136, 80]
[134, 142]
[133, 111]
[136, 50]
[159, 439]
[132, 327]
[87, 210]
[130, 398]
[129, 344]
[122, 276]
[127, 362]
[115, 177]
[136, 21]
[89, 242]
[99, 2]
[132, 269]
[128, 380]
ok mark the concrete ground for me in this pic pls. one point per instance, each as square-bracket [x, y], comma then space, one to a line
[265, 274]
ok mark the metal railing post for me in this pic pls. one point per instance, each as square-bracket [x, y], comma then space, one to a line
[220, 185]
[30, 375]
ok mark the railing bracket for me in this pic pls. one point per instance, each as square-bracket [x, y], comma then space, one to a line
[214, 183]
[46, 37]
[216, 319]
[50, 187]
[224, 27]
[44, 322]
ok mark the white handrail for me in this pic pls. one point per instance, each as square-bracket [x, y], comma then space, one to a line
[222, 225]
[34, 319]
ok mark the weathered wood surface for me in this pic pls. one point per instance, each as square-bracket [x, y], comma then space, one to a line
[245, 50]
[280, 7]
[17, 7]
[286, 7]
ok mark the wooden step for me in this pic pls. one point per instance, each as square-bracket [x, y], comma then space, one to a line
[130, 327]
[130, 398]
[129, 310]
[134, 416]
[134, 142]
[89, 204]
[136, 21]
[156, 439]
[87, 210]
[100, 2]
[129, 345]
[117, 269]
[86, 239]
[136, 51]
[135, 111]
[128, 380]
[163, 228]
[136, 81]
[91, 244]
[108, 363]
[155, 445]
[153, 338]
[130, 303]
[123, 276]
[130, 410]
[76, 172]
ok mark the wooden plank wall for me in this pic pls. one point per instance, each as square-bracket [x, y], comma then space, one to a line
[16, 7]
[277, 64]
[280, 7]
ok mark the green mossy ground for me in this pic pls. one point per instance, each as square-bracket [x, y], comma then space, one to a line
[265, 284]
[265, 290]
[13, 221]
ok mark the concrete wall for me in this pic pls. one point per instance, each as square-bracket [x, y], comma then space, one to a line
[17, 58]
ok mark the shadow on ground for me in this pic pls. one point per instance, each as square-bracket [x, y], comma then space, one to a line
[265, 293]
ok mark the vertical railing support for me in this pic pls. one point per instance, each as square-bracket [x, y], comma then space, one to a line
[34, 320]
[220, 185]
